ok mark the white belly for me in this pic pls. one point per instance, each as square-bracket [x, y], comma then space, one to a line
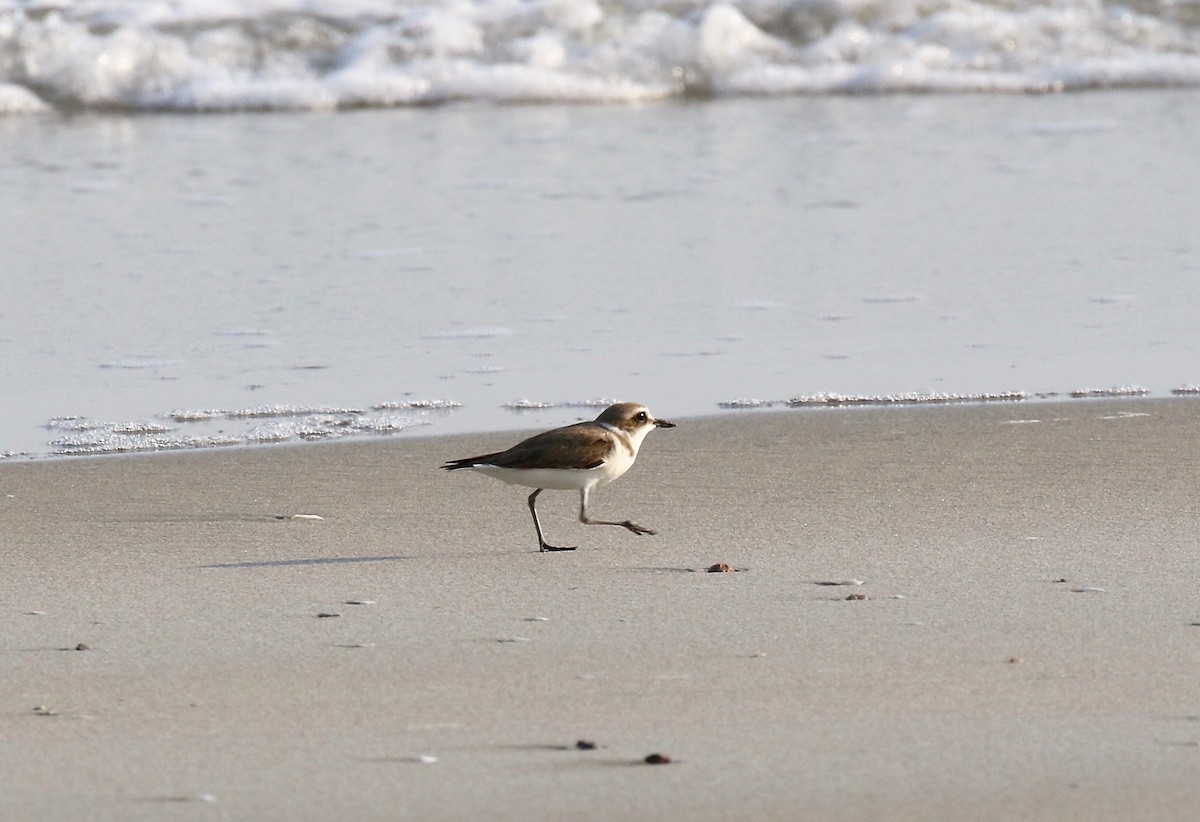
[561, 479]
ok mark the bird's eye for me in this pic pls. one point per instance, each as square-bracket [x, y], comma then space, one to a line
[641, 416]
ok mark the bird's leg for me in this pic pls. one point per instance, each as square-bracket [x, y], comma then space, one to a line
[543, 545]
[586, 520]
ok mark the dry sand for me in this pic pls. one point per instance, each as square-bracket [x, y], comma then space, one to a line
[1028, 648]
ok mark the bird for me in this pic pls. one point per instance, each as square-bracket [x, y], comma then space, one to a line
[578, 457]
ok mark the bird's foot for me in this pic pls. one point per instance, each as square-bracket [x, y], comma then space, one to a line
[637, 529]
[546, 547]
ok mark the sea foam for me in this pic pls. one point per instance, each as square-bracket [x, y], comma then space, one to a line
[259, 425]
[215, 55]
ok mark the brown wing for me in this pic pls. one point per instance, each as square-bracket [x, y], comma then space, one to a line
[560, 448]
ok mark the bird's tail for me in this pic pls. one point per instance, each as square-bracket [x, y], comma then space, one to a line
[466, 462]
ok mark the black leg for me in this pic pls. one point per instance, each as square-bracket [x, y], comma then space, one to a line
[542, 544]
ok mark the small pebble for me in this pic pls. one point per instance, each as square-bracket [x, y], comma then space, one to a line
[841, 582]
[426, 759]
[35, 613]
[1015, 660]
[310, 517]
[857, 597]
[1087, 590]
[657, 759]
[327, 615]
[514, 639]
[721, 568]
[83, 646]
[42, 710]
[360, 602]
[585, 745]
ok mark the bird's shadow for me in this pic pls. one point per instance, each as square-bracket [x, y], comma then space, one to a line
[284, 563]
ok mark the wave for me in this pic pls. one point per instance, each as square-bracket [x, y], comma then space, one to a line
[221, 55]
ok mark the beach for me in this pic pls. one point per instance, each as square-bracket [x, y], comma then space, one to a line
[959, 612]
[268, 267]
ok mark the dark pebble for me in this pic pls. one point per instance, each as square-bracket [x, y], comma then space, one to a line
[585, 745]
[657, 759]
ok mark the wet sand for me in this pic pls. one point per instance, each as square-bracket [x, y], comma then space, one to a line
[1027, 647]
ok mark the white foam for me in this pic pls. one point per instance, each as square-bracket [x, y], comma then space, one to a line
[15, 99]
[539, 405]
[425, 405]
[260, 425]
[1115, 391]
[831, 400]
[192, 415]
[289, 411]
[915, 398]
[218, 55]
[747, 403]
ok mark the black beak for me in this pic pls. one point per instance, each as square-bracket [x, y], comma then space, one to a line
[663, 424]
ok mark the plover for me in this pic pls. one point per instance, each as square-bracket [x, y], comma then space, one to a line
[577, 457]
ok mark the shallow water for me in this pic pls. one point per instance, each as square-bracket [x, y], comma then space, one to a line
[682, 254]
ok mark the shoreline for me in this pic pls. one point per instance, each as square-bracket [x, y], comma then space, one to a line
[1022, 646]
[540, 417]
